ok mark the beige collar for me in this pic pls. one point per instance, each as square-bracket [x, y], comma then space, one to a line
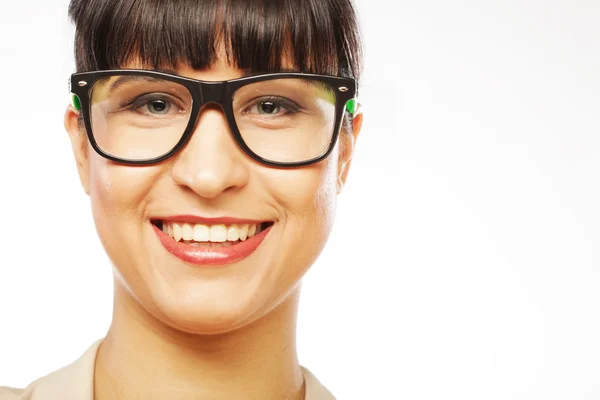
[75, 382]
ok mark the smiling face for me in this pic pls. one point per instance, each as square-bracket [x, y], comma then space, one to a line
[211, 191]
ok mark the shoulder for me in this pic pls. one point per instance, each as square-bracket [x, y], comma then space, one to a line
[315, 390]
[72, 382]
[7, 393]
[10, 393]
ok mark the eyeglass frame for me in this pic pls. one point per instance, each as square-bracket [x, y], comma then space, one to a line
[81, 85]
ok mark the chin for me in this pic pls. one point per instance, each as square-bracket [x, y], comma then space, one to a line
[208, 308]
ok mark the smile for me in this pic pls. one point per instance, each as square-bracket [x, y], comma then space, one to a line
[210, 244]
[204, 234]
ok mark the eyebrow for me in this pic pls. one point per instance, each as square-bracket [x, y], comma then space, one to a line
[123, 79]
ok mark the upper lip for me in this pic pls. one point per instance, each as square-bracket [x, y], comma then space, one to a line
[207, 221]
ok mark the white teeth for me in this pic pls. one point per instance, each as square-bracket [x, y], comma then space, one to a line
[177, 232]
[218, 233]
[243, 232]
[232, 233]
[210, 233]
[201, 233]
[187, 232]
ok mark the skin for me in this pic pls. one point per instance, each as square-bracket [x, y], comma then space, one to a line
[211, 333]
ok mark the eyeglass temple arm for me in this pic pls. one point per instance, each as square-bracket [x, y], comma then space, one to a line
[351, 106]
[75, 101]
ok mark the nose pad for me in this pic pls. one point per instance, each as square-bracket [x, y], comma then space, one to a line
[211, 162]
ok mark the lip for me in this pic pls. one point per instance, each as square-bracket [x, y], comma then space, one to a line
[210, 256]
[194, 219]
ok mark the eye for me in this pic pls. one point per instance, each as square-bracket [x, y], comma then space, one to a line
[272, 106]
[159, 107]
[268, 108]
[155, 105]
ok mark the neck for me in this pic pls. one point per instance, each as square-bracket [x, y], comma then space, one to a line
[143, 358]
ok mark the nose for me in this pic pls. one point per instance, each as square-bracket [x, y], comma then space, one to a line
[211, 162]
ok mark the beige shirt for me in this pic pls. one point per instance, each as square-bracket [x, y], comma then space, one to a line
[76, 382]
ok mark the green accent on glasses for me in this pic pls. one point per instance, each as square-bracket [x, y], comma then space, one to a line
[76, 102]
[351, 106]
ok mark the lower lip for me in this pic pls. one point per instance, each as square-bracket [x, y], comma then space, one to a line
[211, 256]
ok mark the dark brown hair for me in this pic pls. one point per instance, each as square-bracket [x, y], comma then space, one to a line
[319, 36]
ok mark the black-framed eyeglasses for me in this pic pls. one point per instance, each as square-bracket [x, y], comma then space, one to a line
[141, 117]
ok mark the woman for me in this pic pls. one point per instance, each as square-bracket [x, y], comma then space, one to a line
[212, 138]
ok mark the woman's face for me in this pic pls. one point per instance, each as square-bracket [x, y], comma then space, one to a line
[211, 177]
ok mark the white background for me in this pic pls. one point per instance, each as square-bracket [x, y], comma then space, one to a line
[464, 262]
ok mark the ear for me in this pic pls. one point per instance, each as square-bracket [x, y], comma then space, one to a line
[347, 142]
[79, 143]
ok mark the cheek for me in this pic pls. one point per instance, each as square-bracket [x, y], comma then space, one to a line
[118, 194]
[119, 190]
[309, 193]
[307, 197]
